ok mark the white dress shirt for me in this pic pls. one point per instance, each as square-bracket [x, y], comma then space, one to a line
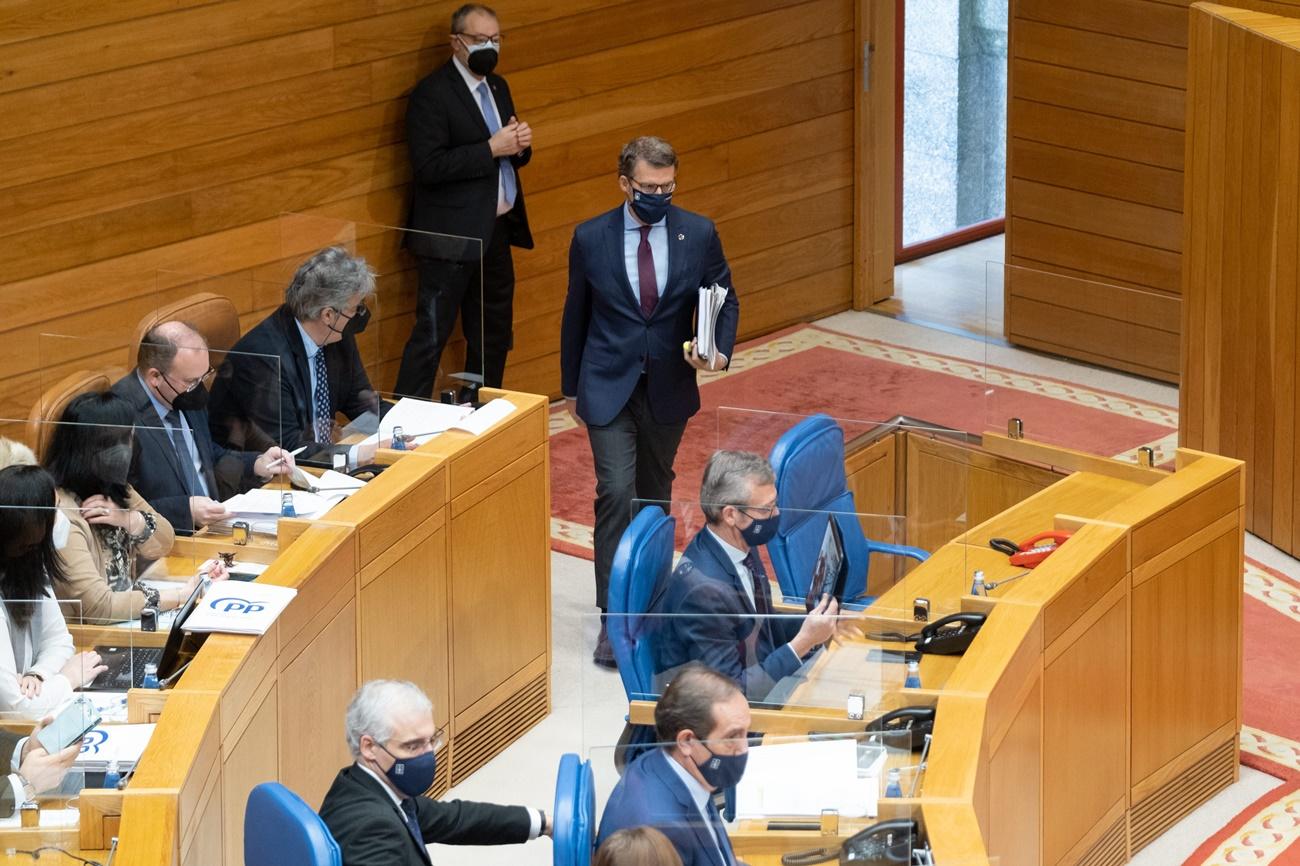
[186, 433]
[737, 557]
[658, 251]
[472, 83]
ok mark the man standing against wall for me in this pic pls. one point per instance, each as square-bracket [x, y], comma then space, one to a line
[466, 148]
[627, 357]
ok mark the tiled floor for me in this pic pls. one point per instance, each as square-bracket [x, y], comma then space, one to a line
[959, 289]
[589, 703]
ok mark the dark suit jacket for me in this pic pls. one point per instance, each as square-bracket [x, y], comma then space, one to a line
[371, 830]
[454, 189]
[156, 472]
[717, 624]
[651, 794]
[8, 742]
[606, 341]
[263, 396]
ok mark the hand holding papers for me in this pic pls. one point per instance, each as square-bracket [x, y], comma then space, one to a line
[706, 320]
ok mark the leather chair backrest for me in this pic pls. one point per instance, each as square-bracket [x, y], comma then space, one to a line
[50, 405]
[643, 559]
[812, 489]
[214, 316]
[573, 828]
[281, 830]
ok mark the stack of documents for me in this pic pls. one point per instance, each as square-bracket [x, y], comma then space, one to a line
[706, 319]
[485, 416]
[329, 483]
[806, 777]
[264, 503]
[121, 743]
[239, 608]
[420, 419]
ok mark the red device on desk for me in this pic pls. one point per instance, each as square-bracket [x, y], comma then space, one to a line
[1032, 551]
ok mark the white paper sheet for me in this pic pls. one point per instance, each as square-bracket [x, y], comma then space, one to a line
[709, 305]
[803, 779]
[121, 743]
[485, 416]
[421, 419]
[262, 502]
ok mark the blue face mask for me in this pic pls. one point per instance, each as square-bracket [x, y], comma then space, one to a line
[412, 776]
[723, 771]
[760, 532]
[651, 207]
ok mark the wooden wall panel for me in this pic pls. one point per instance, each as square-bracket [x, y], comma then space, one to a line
[146, 135]
[1096, 96]
[1242, 267]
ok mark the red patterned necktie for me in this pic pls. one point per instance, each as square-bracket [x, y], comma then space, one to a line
[645, 268]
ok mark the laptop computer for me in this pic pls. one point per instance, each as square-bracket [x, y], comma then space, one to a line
[831, 569]
[126, 663]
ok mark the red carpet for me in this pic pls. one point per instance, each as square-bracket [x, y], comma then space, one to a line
[787, 376]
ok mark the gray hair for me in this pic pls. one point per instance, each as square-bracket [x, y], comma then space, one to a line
[373, 707]
[656, 153]
[328, 279]
[458, 17]
[728, 479]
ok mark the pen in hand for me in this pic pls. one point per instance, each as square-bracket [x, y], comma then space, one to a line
[280, 460]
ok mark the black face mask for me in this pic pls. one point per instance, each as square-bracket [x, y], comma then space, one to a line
[188, 401]
[356, 325]
[482, 58]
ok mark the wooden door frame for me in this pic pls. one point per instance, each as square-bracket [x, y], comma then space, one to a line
[873, 151]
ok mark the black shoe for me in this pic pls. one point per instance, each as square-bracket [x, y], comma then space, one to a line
[604, 654]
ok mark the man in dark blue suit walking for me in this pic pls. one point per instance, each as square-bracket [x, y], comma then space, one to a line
[718, 601]
[627, 357]
[702, 727]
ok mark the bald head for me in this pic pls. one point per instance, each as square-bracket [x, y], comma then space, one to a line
[172, 359]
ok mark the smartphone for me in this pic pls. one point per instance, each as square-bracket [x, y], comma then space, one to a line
[69, 726]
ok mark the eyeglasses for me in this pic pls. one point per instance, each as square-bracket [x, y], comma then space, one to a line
[757, 512]
[656, 189]
[359, 311]
[421, 745]
[480, 39]
[191, 384]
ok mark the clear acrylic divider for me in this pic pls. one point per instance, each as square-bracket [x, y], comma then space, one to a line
[396, 255]
[1120, 412]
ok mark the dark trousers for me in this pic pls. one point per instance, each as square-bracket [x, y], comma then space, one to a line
[634, 460]
[483, 294]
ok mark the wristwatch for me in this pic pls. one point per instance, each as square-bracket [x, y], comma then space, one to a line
[29, 790]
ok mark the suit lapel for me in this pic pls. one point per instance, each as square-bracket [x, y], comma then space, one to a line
[614, 234]
[724, 562]
[696, 821]
[152, 427]
[677, 246]
[374, 789]
[457, 85]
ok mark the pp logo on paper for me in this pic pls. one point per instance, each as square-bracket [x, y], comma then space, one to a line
[235, 605]
[92, 741]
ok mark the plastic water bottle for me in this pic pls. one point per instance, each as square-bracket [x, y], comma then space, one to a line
[893, 787]
[112, 775]
[399, 439]
[150, 680]
[286, 504]
[913, 680]
[977, 585]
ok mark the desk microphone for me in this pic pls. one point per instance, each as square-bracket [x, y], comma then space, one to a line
[989, 587]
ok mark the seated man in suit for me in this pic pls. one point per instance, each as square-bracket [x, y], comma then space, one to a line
[308, 349]
[702, 726]
[176, 466]
[30, 769]
[376, 809]
[720, 595]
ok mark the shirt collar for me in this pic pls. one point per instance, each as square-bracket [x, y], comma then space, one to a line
[631, 224]
[158, 406]
[308, 343]
[698, 792]
[470, 81]
[737, 555]
[397, 801]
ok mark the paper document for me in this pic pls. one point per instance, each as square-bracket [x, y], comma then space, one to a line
[804, 778]
[121, 743]
[264, 501]
[421, 419]
[328, 483]
[239, 608]
[706, 319]
[485, 416]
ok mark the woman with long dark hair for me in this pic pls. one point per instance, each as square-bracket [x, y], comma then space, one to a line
[38, 668]
[89, 459]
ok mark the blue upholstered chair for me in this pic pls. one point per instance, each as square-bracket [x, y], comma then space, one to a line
[573, 828]
[281, 830]
[808, 461]
[644, 557]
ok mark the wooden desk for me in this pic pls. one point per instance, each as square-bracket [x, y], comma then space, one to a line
[407, 578]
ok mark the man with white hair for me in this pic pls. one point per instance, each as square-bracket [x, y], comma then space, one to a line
[377, 810]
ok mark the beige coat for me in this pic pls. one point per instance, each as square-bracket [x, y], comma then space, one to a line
[83, 564]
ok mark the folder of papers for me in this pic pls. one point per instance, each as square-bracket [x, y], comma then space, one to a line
[239, 608]
[706, 319]
[803, 778]
[121, 743]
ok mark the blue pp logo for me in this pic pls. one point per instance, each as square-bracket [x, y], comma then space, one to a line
[235, 605]
[92, 741]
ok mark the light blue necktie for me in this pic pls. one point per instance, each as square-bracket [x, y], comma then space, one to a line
[507, 170]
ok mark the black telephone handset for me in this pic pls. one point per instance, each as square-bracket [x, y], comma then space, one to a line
[918, 721]
[951, 635]
[881, 844]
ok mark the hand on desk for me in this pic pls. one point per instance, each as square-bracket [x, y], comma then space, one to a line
[276, 461]
[818, 626]
[82, 668]
[206, 511]
[43, 770]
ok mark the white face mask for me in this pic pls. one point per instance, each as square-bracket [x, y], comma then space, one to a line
[62, 526]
